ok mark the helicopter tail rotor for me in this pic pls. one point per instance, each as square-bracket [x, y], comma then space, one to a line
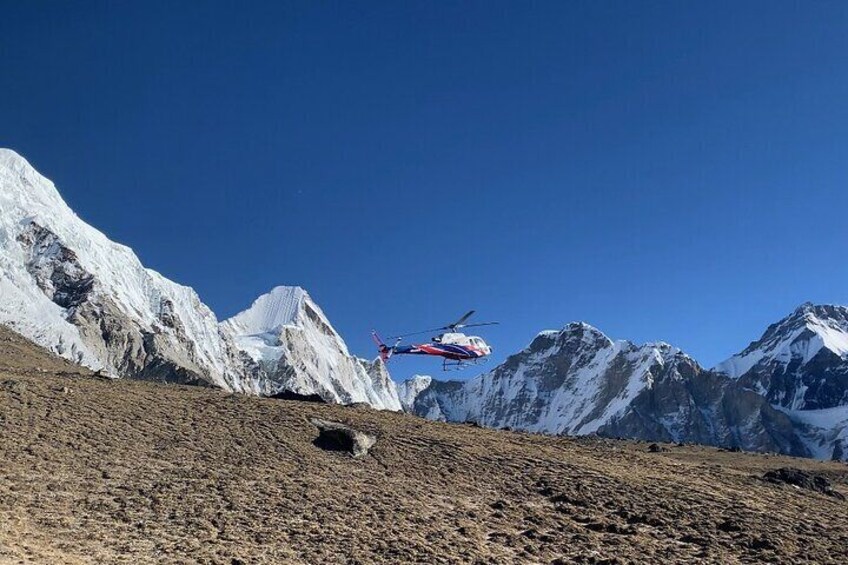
[385, 350]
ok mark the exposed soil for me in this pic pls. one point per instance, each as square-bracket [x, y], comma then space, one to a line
[99, 471]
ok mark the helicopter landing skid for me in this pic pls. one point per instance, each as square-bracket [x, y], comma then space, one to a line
[448, 365]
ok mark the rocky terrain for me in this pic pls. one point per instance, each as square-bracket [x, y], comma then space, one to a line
[119, 471]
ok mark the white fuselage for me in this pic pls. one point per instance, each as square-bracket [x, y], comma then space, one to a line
[473, 341]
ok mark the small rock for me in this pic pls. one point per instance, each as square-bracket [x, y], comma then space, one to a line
[101, 374]
[654, 448]
[289, 395]
[17, 387]
[358, 405]
[335, 436]
[694, 539]
[729, 526]
[802, 479]
[761, 543]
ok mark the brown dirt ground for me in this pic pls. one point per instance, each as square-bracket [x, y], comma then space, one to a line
[98, 471]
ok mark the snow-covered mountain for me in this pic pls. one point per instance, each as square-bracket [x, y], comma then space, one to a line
[786, 392]
[572, 382]
[578, 381]
[409, 390]
[291, 345]
[801, 362]
[70, 289]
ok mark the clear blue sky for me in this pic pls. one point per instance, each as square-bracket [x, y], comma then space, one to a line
[663, 170]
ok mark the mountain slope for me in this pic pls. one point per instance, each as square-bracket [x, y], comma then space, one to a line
[800, 365]
[70, 289]
[409, 390]
[577, 381]
[801, 362]
[292, 346]
[117, 471]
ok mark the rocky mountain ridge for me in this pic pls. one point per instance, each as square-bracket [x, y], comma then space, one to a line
[784, 393]
[67, 287]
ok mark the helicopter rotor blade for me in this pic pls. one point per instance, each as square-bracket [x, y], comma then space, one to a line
[458, 323]
[417, 333]
[480, 324]
[450, 327]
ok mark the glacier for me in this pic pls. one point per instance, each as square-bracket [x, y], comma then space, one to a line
[69, 288]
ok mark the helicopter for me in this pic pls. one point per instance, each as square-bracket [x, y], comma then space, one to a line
[456, 349]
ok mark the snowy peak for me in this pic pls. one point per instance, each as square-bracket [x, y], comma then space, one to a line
[579, 339]
[575, 381]
[29, 187]
[282, 306]
[271, 311]
[409, 390]
[574, 336]
[800, 362]
[581, 331]
[291, 346]
[796, 339]
[69, 288]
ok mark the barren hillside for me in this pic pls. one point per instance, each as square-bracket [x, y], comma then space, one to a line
[97, 471]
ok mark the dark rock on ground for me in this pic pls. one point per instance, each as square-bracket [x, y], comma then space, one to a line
[730, 526]
[13, 386]
[358, 405]
[289, 395]
[335, 436]
[802, 479]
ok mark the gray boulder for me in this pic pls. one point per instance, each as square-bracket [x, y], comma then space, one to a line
[335, 436]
